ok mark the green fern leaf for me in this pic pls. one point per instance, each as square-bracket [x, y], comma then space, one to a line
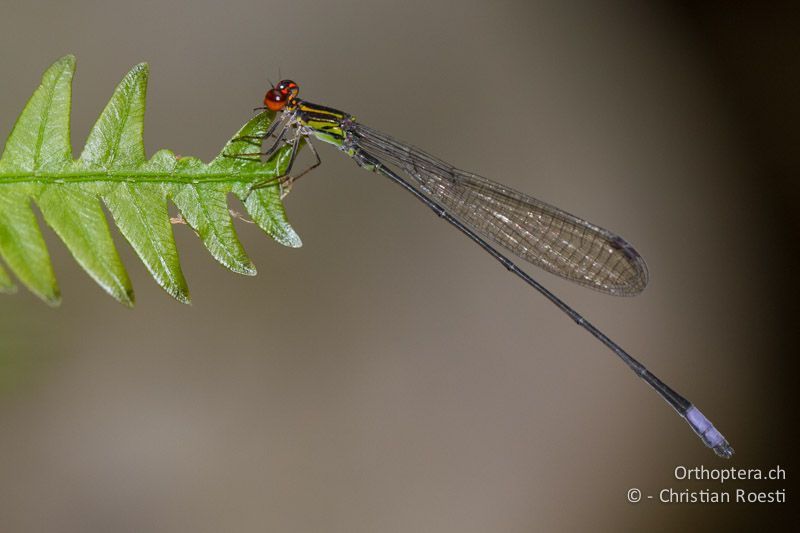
[37, 167]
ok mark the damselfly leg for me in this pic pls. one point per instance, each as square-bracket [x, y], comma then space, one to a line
[285, 180]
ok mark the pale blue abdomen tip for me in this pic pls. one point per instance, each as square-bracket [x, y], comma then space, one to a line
[707, 432]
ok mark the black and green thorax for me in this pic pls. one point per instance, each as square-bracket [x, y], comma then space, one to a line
[325, 123]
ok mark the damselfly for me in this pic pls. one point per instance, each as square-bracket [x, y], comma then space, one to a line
[491, 215]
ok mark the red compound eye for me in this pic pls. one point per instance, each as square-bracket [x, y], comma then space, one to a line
[288, 87]
[275, 100]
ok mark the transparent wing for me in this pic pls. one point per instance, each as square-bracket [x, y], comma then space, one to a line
[540, 233]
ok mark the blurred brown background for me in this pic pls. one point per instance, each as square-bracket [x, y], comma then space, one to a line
[389, 376]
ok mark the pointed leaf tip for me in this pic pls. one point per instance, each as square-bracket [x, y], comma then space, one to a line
[128, 300]
[53, 300]
[140, 212]
[117, 138]
[68, 59]
[40, 137]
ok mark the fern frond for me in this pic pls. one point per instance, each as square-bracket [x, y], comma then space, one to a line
[37, 167]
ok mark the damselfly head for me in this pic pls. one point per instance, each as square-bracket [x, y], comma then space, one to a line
[280, 95]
